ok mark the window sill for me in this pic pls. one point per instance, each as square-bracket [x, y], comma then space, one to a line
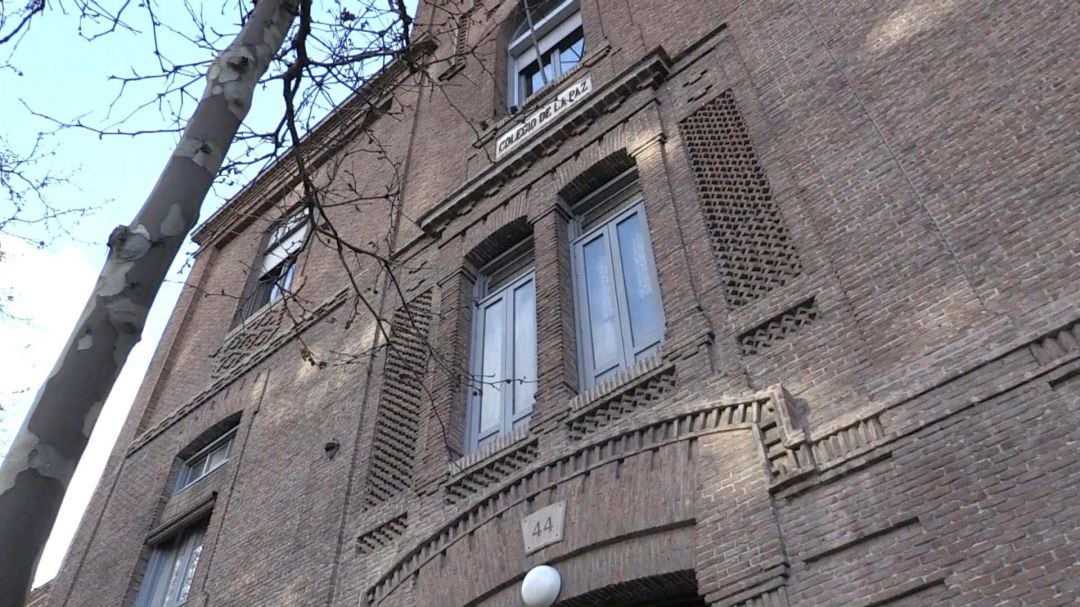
[451, 71]
[623, 380]
[507, 442]
[476, 474]
[634, 389]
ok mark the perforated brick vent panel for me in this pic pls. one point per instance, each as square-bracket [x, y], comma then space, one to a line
[397, 424]
[748, 234]
[778, 328]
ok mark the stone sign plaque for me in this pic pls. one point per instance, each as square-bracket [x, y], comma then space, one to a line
[543, 527]
[524, 129]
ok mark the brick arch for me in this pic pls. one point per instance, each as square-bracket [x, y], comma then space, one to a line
[601, 171]
[496, 237]
[677, 589]
[209, 435]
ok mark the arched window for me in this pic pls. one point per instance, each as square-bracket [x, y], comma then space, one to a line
[503, 366]
[620, 315]
[547, 43]
[206, 461]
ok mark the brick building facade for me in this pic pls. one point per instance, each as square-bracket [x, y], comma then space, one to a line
[776, 300]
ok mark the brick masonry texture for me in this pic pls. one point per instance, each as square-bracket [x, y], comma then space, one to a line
[864, 223]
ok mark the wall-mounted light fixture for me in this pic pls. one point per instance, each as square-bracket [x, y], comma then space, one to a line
[541, 586]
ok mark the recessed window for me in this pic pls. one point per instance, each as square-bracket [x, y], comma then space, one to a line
[171, 568]
[547, 44]
[206, 461]
[619, 311]
[277, 263]
[503, 366]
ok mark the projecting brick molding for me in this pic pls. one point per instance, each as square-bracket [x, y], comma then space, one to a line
[1058, 343]
[382, 535]
[397, 424]
[491, 473]
[643, 390]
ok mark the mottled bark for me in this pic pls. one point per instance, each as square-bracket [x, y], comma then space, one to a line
[35, 474]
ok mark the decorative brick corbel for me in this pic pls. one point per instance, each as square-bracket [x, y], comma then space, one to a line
[793, 458]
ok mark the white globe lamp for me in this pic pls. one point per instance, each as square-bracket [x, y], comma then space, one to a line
[541, 586]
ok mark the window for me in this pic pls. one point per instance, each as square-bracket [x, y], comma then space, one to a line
[504, 347]
[206, 461]
[171, 568]
[276, 264]
[619, 313]
[550, 35]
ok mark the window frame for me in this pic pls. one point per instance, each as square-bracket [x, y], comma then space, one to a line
[185, 478]
[596, 216]
[512, 414]
[286, 241]
[184, 548]
[552, 29]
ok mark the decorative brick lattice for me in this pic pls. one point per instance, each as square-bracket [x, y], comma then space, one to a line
[778, 328]
[382, 535]
[644, 392]
[475, 482]
[748, 234]
[397, 424]
[247, 341]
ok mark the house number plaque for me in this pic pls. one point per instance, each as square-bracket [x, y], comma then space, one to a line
[543, 527]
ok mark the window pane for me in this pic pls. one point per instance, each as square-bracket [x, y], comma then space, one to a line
[197, 468]
[171, 569]
[172, 589]
[571, 51]
[217, 457]
[533, 80]
[537, 81]
[161, 563]
[524, 347]
[642, 299]
[189, 572]
[491, 369]
[281, 279]
[601, 304]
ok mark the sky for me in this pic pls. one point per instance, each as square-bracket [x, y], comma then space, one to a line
[65, 76]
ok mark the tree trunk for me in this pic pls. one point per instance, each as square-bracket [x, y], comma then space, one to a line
[35, 474]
